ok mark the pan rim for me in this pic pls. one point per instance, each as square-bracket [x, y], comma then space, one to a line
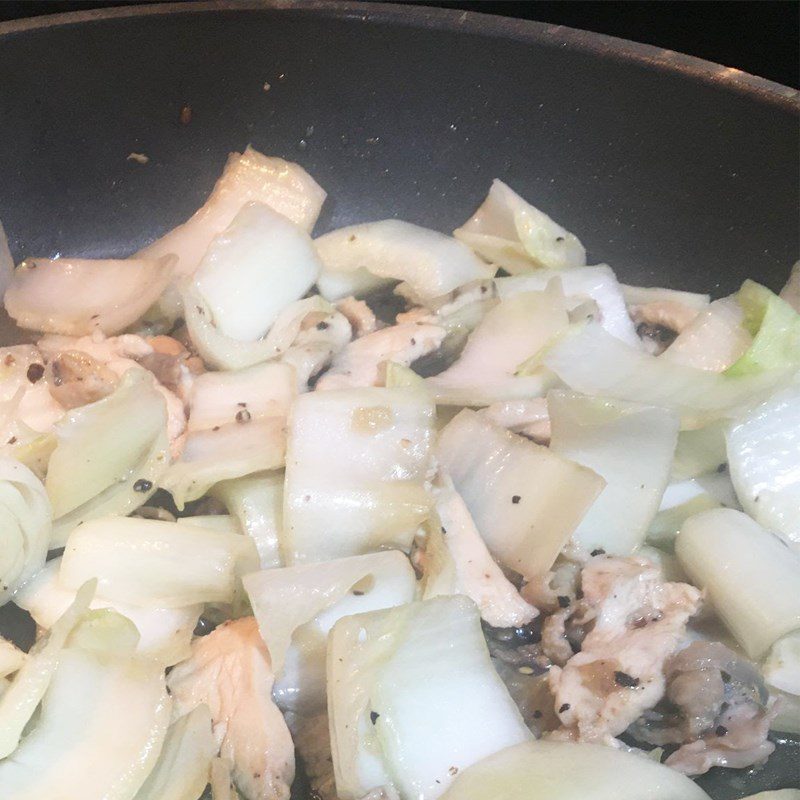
[476, 23]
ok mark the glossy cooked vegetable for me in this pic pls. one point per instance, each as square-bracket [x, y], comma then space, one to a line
[446, 546]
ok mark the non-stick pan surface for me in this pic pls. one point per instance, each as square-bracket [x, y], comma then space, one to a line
[675, 171]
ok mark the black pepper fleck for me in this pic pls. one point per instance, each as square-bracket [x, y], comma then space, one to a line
[563, 600]
[579, 594]
[142, 485]
[35, 372]
[565, 707]
[373, 716]
[243, 416]
[12, 440]
[322, 326]
[515, 499]
[721, 730]
[598, 551]
[559, 238]
[537, 714]
[623, 679]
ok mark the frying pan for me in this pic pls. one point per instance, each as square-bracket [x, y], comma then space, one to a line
[675, 171]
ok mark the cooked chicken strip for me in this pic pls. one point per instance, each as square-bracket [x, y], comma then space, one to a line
[359, 315]
[361, 362]
[230, 671]
[477, 574]
[113, 354]
[638, 621]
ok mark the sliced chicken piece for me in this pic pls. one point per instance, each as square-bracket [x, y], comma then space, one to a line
[716, 705]
[322, 336]
[230, 671]
[549, 591]
[739, 740]
[555, 644]
[104, 349]
[75, 379]
[359, 315]
[638, 620]
[173, 365]
[362, 362]
[526, 417]
[477, 575]
[114, 354]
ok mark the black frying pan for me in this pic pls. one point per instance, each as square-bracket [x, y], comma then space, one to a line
[675, 171]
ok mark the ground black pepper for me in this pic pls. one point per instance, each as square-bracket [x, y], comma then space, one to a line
[565, 707]
[35, 372]
[623, 679]
[142, 485]
[563, 600]
[515, 499]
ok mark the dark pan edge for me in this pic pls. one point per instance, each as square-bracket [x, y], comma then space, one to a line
[646, 55]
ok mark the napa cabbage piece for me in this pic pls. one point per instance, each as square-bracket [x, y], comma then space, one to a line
[248, 177]
[700, 450]
[642, 295]
[594, 362]
[508, 231]
[510, 333]
[101, 726]
[359, 258]
[224, 523]
[631, 447]
[154, 564]
[457, 561]
[763, 449]
[228, 452]
[256, 501]
[598, 284]
[264, 390]
[164, 634]
[356, 465]
[413, 698]
[20, 700]
[254, 269]
[223, 352]
[775, 328]
[296, 607]
[184, 763]
[684, 499]
[553, 770]
[781, 667]
[236, 427]
[714, 340]
[110, 455]
[750, 576]
[78, 296]
[25, 526]
[525, 499]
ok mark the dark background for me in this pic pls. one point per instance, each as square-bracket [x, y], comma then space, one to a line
[762, 38]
